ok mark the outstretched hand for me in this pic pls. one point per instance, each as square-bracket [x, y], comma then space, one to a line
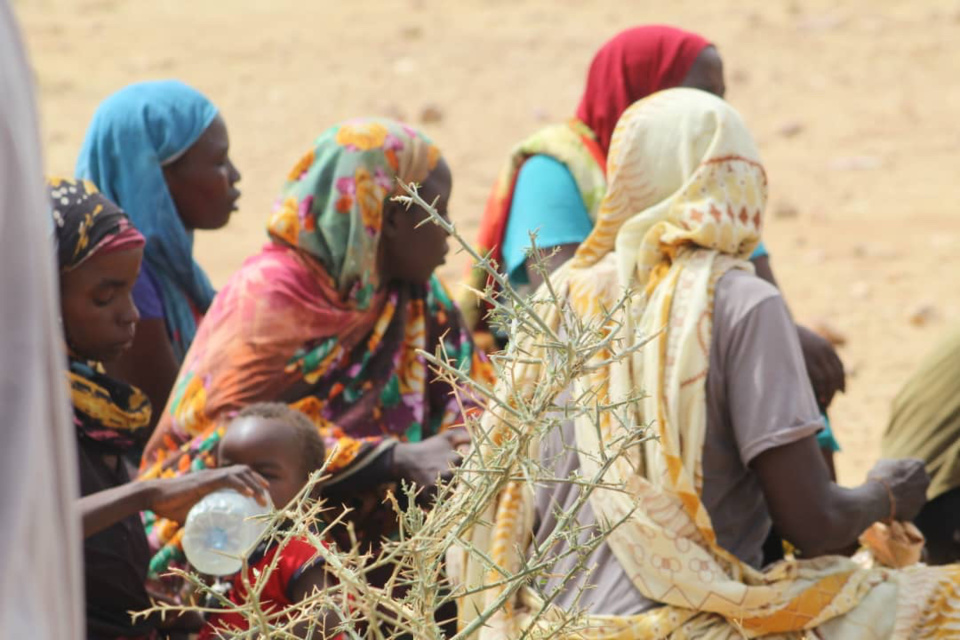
[907, 481]
[172, 498]
[423, 463]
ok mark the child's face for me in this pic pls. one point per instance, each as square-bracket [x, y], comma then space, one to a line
[99, 317]
[271, 448]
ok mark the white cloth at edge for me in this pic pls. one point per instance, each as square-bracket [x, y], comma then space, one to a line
[41, 588]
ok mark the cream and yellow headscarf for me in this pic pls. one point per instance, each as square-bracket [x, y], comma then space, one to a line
[684, 206]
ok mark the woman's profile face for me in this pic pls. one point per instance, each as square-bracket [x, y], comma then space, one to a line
[202, 182]
[412, 251]
[99, 316]
[706, 73]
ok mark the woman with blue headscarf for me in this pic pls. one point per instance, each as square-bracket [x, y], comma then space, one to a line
[160, 151]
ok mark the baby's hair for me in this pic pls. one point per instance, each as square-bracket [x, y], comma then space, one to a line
[311, 444]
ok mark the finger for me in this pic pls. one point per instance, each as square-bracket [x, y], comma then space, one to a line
[259, 479]
[240, 478]
[445, 476]
[237, 483]
[458, 437]
[257, 484]
[251, 477]
[455, 459]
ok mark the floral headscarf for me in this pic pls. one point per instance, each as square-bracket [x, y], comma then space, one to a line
[333, 203]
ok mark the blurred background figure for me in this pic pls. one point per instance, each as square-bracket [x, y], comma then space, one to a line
[925, 424]
[40, 588]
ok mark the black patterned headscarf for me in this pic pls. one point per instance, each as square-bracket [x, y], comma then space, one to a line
[86, 223]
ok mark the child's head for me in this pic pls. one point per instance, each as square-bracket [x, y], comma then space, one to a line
[98, 254]
[279, 443]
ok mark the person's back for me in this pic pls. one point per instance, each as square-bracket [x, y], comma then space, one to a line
[725, 398]
[753, 348]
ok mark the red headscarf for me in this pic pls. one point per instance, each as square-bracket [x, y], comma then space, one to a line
[631, 66]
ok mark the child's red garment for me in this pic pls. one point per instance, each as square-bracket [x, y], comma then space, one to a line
[295, 559]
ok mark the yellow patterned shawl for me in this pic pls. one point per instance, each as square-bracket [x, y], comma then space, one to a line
[683, 207]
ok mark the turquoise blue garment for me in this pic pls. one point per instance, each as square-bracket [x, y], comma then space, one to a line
[545, 199]
[825, 438]
[134, 133]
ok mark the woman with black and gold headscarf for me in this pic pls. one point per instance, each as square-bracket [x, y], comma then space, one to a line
[98, 255]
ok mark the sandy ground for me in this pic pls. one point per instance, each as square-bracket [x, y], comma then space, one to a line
[854, 105]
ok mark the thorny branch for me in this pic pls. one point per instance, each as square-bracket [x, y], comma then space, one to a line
[417, 585]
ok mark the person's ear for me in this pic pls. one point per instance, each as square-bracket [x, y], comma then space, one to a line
[391, 220]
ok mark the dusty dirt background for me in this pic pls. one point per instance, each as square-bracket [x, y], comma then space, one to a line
[854, 104]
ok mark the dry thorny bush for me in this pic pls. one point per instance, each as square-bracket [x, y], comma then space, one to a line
[415, 560]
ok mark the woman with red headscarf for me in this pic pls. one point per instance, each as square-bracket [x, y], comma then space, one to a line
[555, 179]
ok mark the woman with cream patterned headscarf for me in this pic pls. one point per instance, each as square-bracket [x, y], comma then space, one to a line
[734, 418]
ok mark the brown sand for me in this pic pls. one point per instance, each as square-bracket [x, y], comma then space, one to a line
[853, 105]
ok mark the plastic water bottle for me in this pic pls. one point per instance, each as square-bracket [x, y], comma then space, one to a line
[221, 530]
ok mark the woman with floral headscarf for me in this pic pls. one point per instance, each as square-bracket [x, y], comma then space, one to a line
[328, 318]
[734, 420]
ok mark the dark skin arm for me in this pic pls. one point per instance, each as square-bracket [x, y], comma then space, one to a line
[423, 463]
[318, 578]
[823, 364]
[420, 463]
[169, 498]
[818, 516]
[149, 365]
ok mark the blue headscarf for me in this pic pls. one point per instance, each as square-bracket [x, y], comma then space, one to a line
[134, 133]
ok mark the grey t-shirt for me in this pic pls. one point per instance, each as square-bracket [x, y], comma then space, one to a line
[758, 398]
